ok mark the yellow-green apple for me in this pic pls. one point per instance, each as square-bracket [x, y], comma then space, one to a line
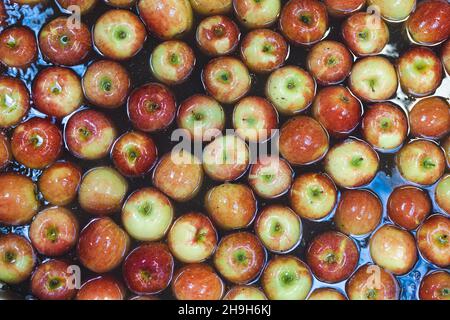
[442, 193]
[14, 101]
[326, 294]
[257, 14]
[211, 7]
[17, 259]
[393, 11]
[245, 293]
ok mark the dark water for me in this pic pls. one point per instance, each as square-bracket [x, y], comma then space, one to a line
[386, 180]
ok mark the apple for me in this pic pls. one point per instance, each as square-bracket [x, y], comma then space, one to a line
[217, 35]
[18, 199]
[179, 175]
[442, 193]
[373, 79]
[429, 23]
[84, 5]
[430, 118]
[303, 141]
[59, 183]
[192, 238]
[433, 240]
[151, 107]
[201, 117]
[278, 228]
[304, 21]
[435, 286]
[14, 101]
[370, 282]
[36, 143]
[339, 8]
[358, 213]
[421, 162]
[385, 126]
[290, 89]
[287, 278]
[119, 34]
[326, 294]
[270, 177]
[264, 50]
[63, 45]
[172, 62]
[52, 281]
[352, 163]
[337, 110]
[197, 282]
[120, 4]
[393, 249]
[102, 191]
[168, 19]
[148, 297]
[106, 84]
[446, 147]
[57, 91]
[365, 34]
[148, 269]
[257, 14]
[19, 47]
[231, 206]
[240, 257]
[446, 56]
[245, 293]
[147, 214]
[227, 79]
[102, 245]
[255, 119]
[211, 7]
[3, 15]
[313, 196]
[54, 231]
[394, 11]
[134, 154]
[408, 206]
[5, 151]
[17, 259]
[89, 134]
[102, 288]
[329, 62]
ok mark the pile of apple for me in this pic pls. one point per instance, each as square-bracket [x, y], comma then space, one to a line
[337, 115]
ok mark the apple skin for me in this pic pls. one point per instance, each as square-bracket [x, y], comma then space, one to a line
[361, 285]
[326, 294]
[245, 293]
[421, 162]
[59, 183]
[257, 14]
[119, 34]
[63, 45]
[393, 249]
[408, 206]
[429, 23]
[147, 214]
[19, 47]
[18, 259]
[84, 5]
[240, 257]
[304, 21]
[359, 212]
[287, 278]
[89, 134]
[430, 118]
[192, 238]
[18, 199]
[211, 7]
[352, 163]
[148, 269]
[102, 245]
[120, 3]
[134, 154]
[433, 240]
[329, 62]
[151, 107]
[442, 193]
[337, 110]
[168, 20]
[446, 147]
[106, 84]
[102, 288]
[217, 35]
[52, 281]
[102, 191]
[435, 286]
[446, 56]
[197, 282]
[394, 11]
[339, 8]
[5, 151]
[303, 141]
[3, 15]
[54, 231]
[227, 79]
[179, 175]
[264, 50]
[14, 101]
[313, 196]
[36, 143]
[231, 206]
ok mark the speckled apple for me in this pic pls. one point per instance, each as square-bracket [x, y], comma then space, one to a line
[17, 259]
[14, 101]
[19, 47]
[430, 118]
[217, 35]
[394, 11]
[52, 280]
[257, 14]
[245, 293]
[435, 286]
[323, 294]
[211, 7]
[102, 288]
[433, 240]
[339, 8]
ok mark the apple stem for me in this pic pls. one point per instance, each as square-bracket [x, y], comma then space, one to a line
[10, 257]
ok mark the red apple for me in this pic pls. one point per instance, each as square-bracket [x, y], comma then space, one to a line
[120, 3]
[245, 293]
[84, 5]
[217, 35]
[19, 47]
[17, 259]
[5, 151]
[433, 240]
[326, 294]
[430, 118]
[446, 56]
[446, 147]
[435, 286]
[102, 288]
[342, 8]
[4, 14]
[52, 281]
[257, 14]
[209, 7]
[14, 101]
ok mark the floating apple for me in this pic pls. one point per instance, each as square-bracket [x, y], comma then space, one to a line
[430, 118]
[433, 240]
[5, 151]
[84, 5]
[217, 35]
[245, 293]
[17, 259]
[257, 14]
[435, 286]
[326, 294]
[120, 4]
[446, 56]
[339, 8]
[52, 280]
[14, 101]
[442, 193]
[394, 11]
[210, 7]
[102, 288]
[19, 47]
[446, 147]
